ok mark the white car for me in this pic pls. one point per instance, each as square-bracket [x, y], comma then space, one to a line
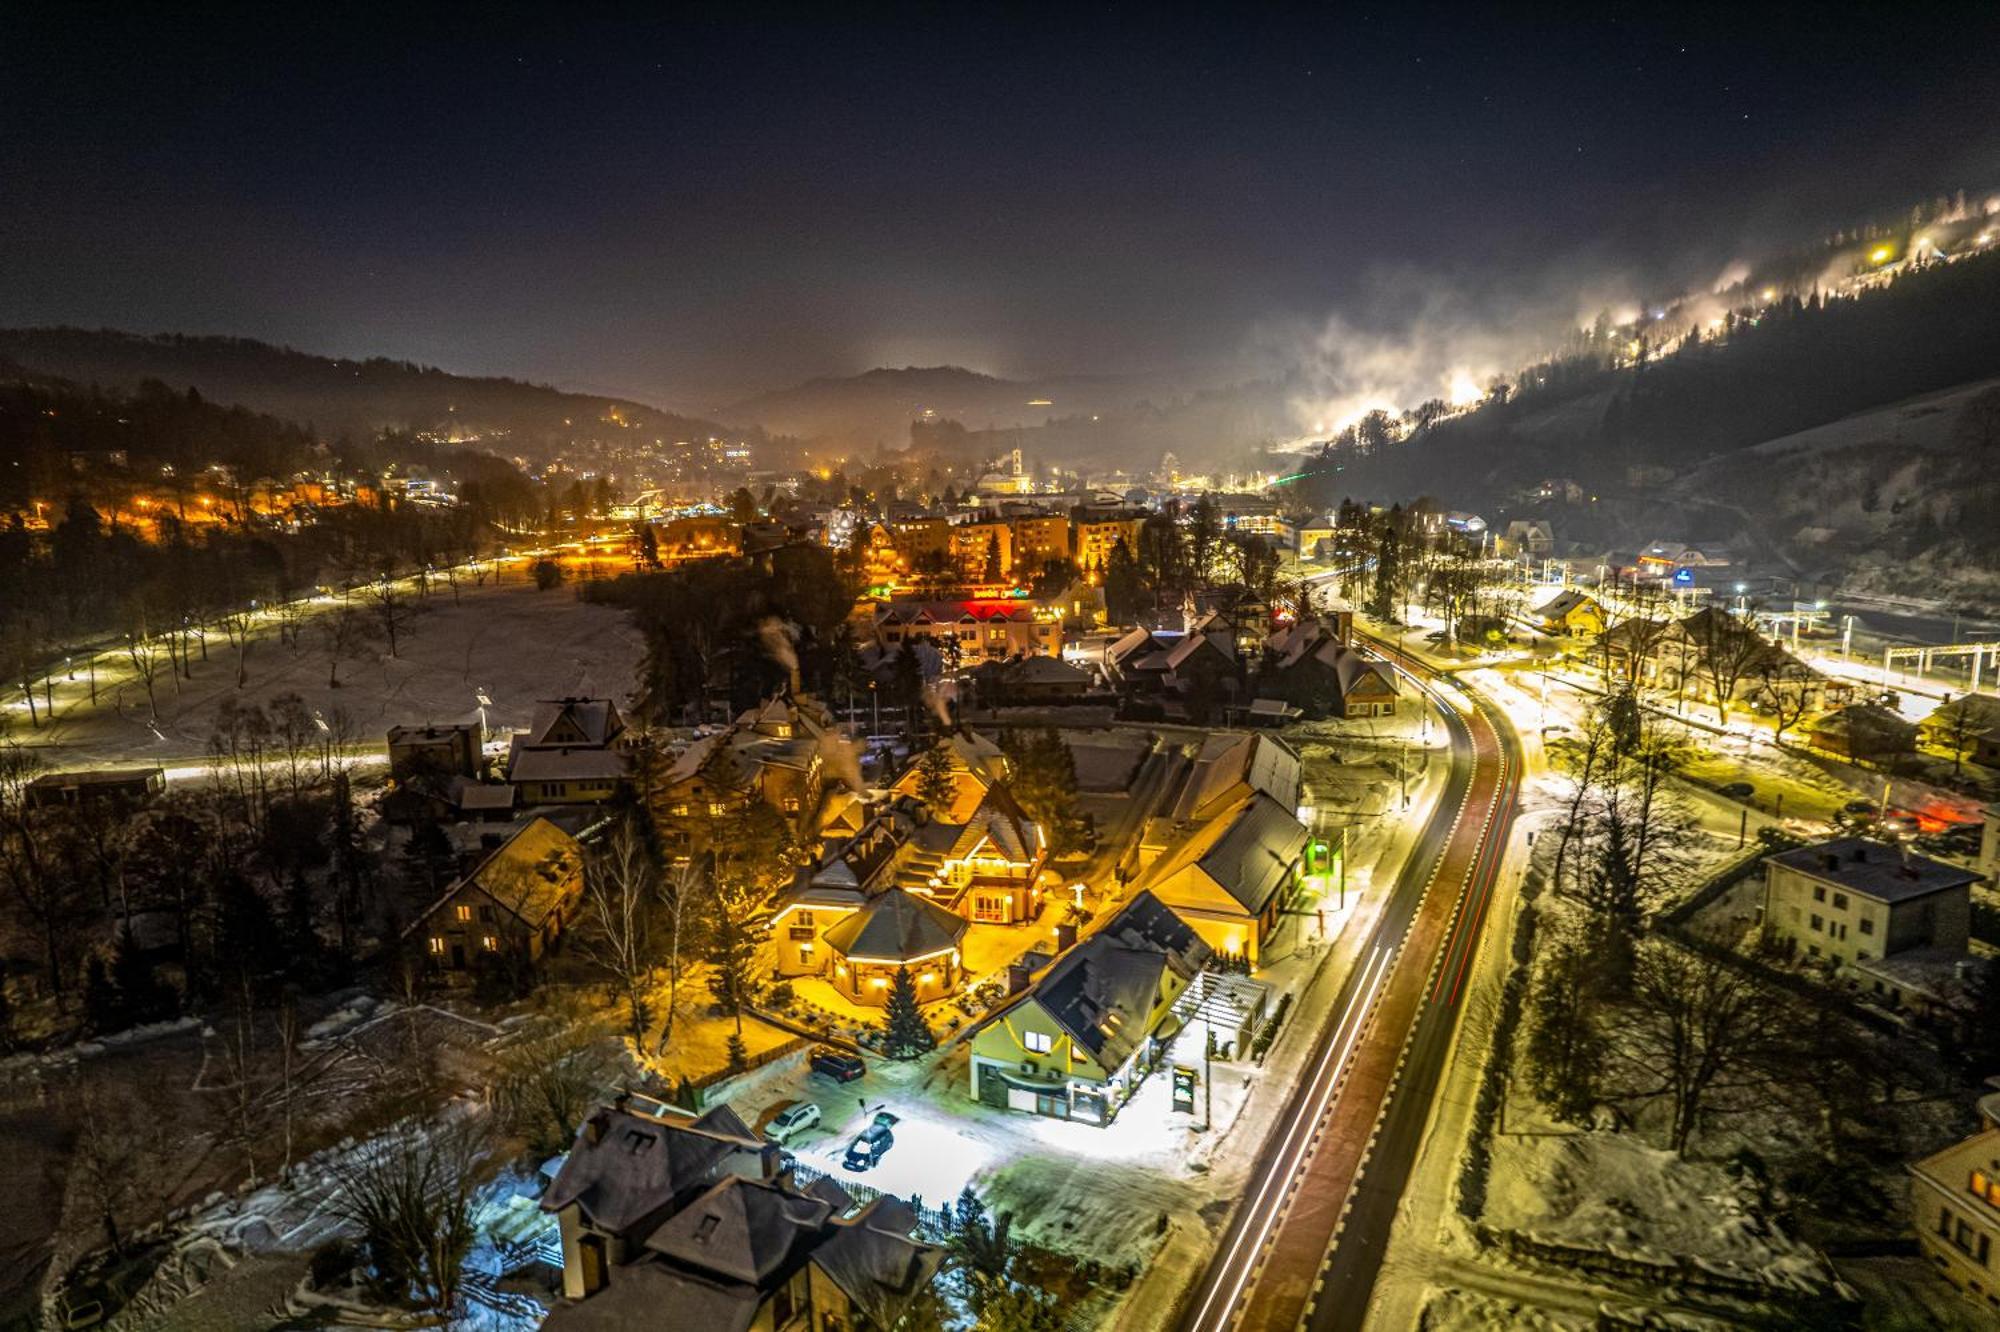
[792, 1121]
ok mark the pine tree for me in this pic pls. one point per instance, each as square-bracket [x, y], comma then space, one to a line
[993, 571]
[905, 1033]
[935, 787]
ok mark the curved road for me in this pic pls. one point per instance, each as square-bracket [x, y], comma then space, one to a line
[1304, 1246]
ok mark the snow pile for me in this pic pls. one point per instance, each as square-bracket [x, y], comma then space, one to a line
[1614, 1193]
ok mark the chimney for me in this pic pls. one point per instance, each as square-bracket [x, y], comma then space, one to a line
[593, 1128]
[1018, 973]
[1066, 935]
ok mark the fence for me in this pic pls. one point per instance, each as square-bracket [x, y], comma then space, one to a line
[936, 1223]
[698, 1087]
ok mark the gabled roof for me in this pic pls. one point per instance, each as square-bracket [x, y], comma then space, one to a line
[997, 819]
[625, 1166]
[1981, 713]
[1246, 851]
[1197, 643]
[529, 875]
[896, 926]
[741, 1229]
[1101, 991]
[1138, 641]
[583, 764]
[1563, 602]
[873, 1260]
[574, 721]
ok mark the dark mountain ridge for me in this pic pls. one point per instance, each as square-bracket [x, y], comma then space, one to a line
[338, 396]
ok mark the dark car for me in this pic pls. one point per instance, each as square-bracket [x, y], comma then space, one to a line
[874, 1143]
[837, 1064]
[1737, 790]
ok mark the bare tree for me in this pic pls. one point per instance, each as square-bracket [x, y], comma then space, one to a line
[392, 610]
[143, 653]
[238, 623]
[618, 898]
[547, 1087]
[1784, 689]
[410, 1192]
[342, 632]
[1726, 650]
[678, 893]
[1702, 1028]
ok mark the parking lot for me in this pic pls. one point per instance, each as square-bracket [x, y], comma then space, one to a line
[933, 1158]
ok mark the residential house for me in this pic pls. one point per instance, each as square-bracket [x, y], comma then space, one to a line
[1228, 766]
[1863, 733]
[1137, 662]
[451, 750]
[672, 1221]
[1571, 611]
[773, 754]
[1204, 666]
[1894, 922]
[1233, 876]
[891, 931]
[1955, 1210]
[979, 859]
[1968, 725]
[1077, 1042]
[570, 753]
[1532, 538]
[513, 905]
[1318, 537]
[971, 630]
[1309, 667]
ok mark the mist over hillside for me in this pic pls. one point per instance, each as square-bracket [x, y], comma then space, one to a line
[877, 408]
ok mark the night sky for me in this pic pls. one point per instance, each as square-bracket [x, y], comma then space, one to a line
[689, 211]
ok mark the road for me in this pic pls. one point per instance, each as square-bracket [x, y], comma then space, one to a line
[1305, 1244]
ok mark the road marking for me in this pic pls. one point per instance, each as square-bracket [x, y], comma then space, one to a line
[1373, 978]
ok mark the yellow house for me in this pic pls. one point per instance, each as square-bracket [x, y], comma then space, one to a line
[1571, 612]
[1233, 876]
[1077, 1043]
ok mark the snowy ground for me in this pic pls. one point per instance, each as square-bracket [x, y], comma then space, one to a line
[510, 641]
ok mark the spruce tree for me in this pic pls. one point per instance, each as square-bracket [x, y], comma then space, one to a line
[905, 1034]
[935, 787]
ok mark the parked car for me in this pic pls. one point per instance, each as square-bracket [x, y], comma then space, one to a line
[1737, 790]
[793, 1120]
[837, 1064]
[871, 1146]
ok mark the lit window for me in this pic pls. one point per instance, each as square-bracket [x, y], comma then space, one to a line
[1038, 1042]
[464, 913]
[489, 943]
[437, 943]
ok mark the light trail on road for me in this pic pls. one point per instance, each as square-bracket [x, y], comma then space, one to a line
[1376, 1066]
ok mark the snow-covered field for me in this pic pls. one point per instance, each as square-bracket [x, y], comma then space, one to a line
[512, 643]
